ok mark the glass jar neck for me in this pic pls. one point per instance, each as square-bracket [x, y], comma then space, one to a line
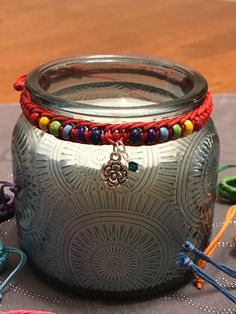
[116, 88]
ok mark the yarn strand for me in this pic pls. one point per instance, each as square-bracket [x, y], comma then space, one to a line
[227, 192]
[189, 247]
[184, 260]
[4, 252]
[227, 186]
[7, 202]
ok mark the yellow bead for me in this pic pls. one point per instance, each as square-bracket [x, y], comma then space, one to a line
[43, 123]
[188, 128]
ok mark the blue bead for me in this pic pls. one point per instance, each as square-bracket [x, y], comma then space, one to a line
[135, 136]
[66, 131]
[151, 136]
[80, 133]
[164, 134]
[95, 136]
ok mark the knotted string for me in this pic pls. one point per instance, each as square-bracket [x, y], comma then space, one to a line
[212, 246]
[184, 260]
[4, 253]
[189, 247]
[7, 210]
[227, 192]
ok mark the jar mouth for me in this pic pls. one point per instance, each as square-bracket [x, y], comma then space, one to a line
[116, 88]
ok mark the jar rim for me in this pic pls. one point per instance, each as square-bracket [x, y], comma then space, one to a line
[38, 80]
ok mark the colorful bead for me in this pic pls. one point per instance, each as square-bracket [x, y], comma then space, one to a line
[131, 134]
[95, 136]
[34, 118]
[151, 136]
[43, 123]
[54, 128]
[176, 131]
[133, 166]
[188, 128]
[80, 133]
[164, 134]
[66, 131]
[135, 136]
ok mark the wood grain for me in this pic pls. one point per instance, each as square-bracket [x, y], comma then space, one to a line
[199, 33]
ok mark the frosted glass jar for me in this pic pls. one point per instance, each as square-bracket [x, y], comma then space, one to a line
[78, 231]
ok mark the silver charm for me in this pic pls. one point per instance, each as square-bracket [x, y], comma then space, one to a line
[114, 173]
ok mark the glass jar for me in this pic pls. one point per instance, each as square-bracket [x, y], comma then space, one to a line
[73, 227]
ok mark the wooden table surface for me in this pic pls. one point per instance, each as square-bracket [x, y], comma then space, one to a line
[198, 33]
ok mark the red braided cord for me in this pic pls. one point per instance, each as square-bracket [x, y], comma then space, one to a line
[111, 133]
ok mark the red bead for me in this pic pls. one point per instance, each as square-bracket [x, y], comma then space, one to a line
[34, 118]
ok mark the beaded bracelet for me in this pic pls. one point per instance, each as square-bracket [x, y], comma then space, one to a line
[131, 134]
[118, 135]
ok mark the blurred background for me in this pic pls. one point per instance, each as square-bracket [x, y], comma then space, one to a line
[198, 33]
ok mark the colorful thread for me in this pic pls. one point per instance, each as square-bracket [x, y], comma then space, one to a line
[4, 252]
[226, 191]
[7, 202]
[211, 248]
[227, 186]
[134, 134]
[184, 260]
[189, 247]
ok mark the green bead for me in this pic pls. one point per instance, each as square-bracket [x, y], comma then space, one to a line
[133, 166]
[54, 128]
[176, 131]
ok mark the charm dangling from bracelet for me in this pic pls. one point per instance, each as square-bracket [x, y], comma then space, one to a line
[115, 172]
